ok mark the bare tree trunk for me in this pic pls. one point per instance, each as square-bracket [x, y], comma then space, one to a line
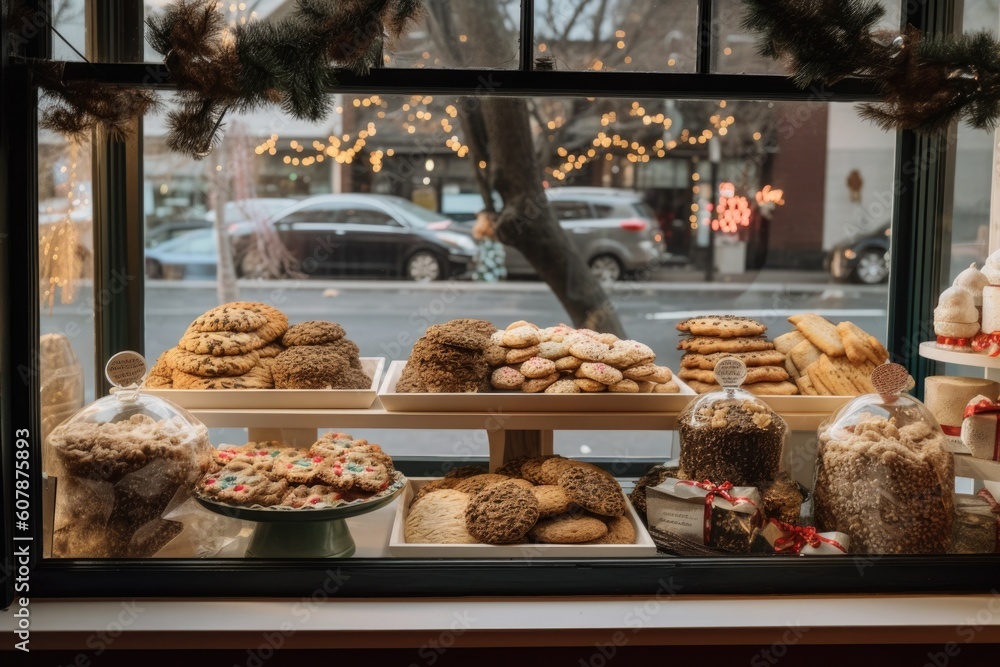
[527, 223]
[227, 287]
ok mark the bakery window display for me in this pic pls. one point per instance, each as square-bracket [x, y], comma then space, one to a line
[122, 463]
[883, 475]
[522, 510]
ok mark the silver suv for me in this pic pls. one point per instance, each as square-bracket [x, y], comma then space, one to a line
[614, 231]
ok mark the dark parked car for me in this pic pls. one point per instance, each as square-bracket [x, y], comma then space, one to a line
[863, 260]
[364, 235]
[373, 235]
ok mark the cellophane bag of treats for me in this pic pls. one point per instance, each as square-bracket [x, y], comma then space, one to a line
[122, 462]
[883, 475]
[730, 435]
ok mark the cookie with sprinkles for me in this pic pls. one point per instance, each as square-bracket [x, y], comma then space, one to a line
[242, 484]
[367, 472]
[299, 467]
[316, 496]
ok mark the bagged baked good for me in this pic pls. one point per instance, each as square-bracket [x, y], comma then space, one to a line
[883, 475]
[778, 537]
[731, 435]
[977, 524]
[61, 386]
[684, 515]
[122, 463]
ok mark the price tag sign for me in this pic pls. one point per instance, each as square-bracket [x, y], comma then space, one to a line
[730, 372]
[125, 368]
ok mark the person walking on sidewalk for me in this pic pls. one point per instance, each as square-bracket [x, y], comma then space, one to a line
[491, 266]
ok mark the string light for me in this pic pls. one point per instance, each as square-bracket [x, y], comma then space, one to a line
[59, 263]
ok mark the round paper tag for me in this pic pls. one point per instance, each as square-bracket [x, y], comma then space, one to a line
[890, 379]
[125, 368]
[730, 372]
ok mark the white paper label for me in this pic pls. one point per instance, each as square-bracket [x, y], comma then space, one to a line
[730, 372]
[125, 368]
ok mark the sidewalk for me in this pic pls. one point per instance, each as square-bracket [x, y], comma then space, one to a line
[664, 280]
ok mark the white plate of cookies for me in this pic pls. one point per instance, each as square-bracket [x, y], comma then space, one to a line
[280, 399]
[642, 545]
[511, 401]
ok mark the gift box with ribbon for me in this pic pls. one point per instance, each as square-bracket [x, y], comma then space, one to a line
[719, 516]
[784, 538]
[980, 428]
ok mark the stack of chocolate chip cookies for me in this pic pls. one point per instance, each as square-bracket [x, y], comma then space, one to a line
[449, 358]
[336, 470]
[223, 349]
[564, 360]
[249, 345]
[715, 337]
[547, 499]
[317, 355]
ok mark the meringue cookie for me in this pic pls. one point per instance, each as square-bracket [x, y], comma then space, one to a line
[972, 281]
[956, 315]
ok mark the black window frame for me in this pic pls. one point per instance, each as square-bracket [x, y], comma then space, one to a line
[917, 241]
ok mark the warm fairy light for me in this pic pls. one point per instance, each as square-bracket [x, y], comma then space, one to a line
[733, 210]
[769, 195]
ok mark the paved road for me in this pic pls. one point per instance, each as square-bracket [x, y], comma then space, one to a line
[385, 318]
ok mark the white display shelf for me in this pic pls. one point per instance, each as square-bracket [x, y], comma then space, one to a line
[974, 359]
[378, 417]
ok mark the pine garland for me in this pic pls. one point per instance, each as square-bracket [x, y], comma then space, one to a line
[925, 84]
[290, 63]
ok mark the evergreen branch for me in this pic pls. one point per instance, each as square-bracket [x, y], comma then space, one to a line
[290, 63]
[925, 85]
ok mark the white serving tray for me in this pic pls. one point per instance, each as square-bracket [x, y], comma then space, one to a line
[398, 547]
[275, 399]
[508, 402]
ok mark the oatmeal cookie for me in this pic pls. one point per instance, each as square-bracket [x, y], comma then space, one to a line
[236, 316]
[593, 491]
[258, 377]
[313, 332]
[501, 514]
[569, 529]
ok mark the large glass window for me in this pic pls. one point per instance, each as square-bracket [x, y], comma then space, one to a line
[373, 219]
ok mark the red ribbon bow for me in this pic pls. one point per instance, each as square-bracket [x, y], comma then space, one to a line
[720, 490]
[986, 407]
[797, 537]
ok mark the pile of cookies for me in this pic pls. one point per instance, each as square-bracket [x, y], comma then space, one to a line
[548, 499]
[249, 345]
[825, 359]
[449, 358]
[318, 356]
[336, 470]
[564, 360]
[715, 337]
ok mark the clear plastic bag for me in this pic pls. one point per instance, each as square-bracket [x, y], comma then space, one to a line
[121, 462]
[884, 477]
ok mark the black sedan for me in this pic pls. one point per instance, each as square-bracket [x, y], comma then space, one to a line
[864, 259]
